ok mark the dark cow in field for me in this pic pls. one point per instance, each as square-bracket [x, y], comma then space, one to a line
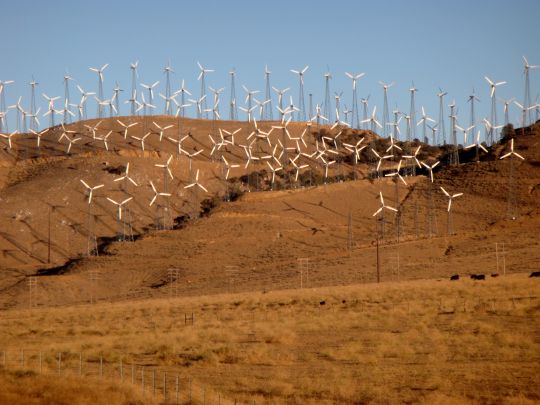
[494, 274]
[322, 303]
[478, 276]
[454, 277]
[535, 274]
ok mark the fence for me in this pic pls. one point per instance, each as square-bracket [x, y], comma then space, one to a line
[165, 385]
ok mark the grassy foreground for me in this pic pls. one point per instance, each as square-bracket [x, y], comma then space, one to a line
[422, 341]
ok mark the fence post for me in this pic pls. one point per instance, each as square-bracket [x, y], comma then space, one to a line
[4, 359]
[133, 374]
[165, 386]
[177, 389]
[190, 390]
[59, 361]
[40, 363]
[101, 366]
[154, 383]
[80, 363]
[121, 372]
[22, 358]
[142, 379]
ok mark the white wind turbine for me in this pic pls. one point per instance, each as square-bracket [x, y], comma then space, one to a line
[196, 183]
[297, 166]
[493, 119]
[424, 122]
[450, 197]
[84, 98]
[121, 224]
[126, 127]
[92, 247]
[157, 194]
[134, 76]
[126, 177]
[162, 129]
[478, 146]
[142, 139]
[506, 104]
[354, 78]
[372, 120]
[150, 88]
[431, 224]
[386, 112]
[380, 219]
[527, 95]
[3, 107]
[512, 210]
[229, 166]
[201, 78]
[39, 135]
[441, 124]
[99, 72]
[183, 91]
[430, 168]
[301, 102]
[249, 96]
[380, 160]
[50, 109]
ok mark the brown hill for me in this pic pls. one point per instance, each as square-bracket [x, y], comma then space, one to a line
[253, 243]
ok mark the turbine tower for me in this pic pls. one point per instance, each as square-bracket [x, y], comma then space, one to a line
[301, 114]
[472, 98]
[202, 79]
[267, 111]
[412, 112]
[527, 96]
[134, 76]
[67, 78]
[33, 85]
[233, 107]
[354, 109]
[327, 108]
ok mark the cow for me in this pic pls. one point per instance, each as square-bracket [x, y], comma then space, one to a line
[478, 277]
[494, 274]
[322, 302]
[454, 277]
[535, 274]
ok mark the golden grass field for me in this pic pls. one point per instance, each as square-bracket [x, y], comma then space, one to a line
[419, 341]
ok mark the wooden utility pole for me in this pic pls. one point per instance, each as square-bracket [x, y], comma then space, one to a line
[49, 237]
[378, 256]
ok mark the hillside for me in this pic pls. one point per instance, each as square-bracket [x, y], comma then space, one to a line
[254, 242]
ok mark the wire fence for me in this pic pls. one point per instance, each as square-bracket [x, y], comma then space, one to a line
[165, 385]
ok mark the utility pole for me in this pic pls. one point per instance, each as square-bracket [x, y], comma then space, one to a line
[49, 239]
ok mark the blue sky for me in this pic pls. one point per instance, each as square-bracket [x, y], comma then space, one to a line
[447, 44]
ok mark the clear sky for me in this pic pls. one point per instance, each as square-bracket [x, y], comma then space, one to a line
[451, 44]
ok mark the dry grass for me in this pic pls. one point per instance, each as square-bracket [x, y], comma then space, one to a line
[423, 341]
[28, 388]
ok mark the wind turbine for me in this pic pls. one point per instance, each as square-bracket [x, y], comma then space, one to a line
[512, 210]
[273, 170]
[233, 107]
[478, 146]
[354, 78]
[280, 94]
[196, 183]
[441, 124]
[202, 77]
[51, 110]
[386, 117]
[506, 111]
[33, 85]
[126, 177]
[121, 224]
[373, 120]
[126, 127]
[99, 72]
[301, 102]
[412, 113]
[3, 109]
[527, 95]
[183, 91]
[92, 247]
[161, 129]
[167, 70]
[424, 122]
[84, 97]
[365, 105]
[165, 208]
[268, 114]
[142, 139]
[493, 86]
[150, 88]
[472, 98]
[450, 197]
[327, 107]
[431, 224]
[134, 76]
